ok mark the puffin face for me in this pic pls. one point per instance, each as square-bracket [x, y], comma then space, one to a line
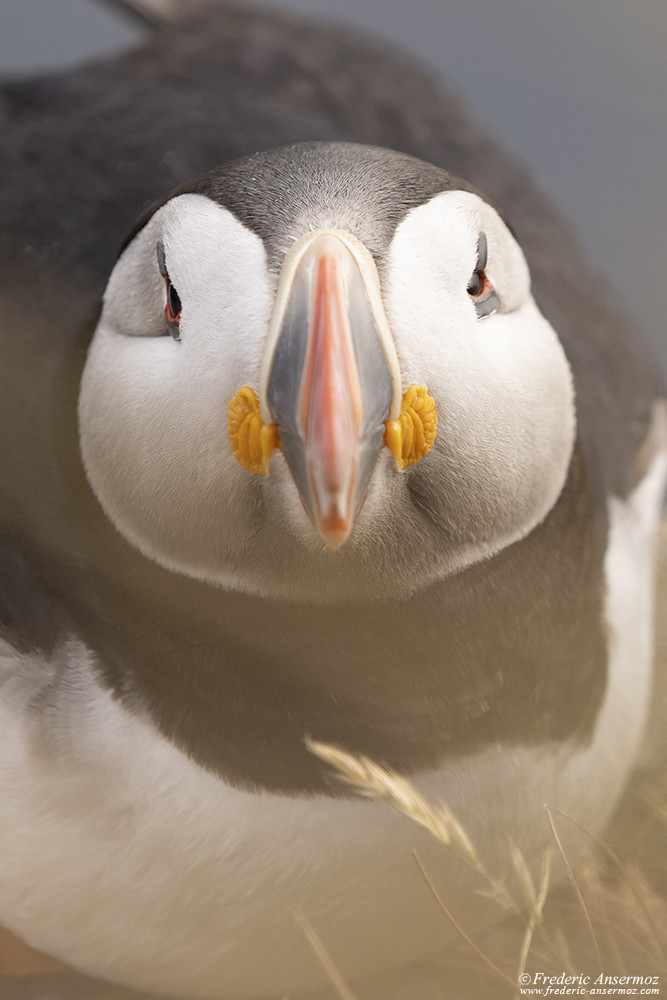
[326, 315]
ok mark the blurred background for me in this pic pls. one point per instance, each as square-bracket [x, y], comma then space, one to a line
[577, 88]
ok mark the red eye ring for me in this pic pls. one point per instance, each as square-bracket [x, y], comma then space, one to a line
[481, 291]
[173, 307]
[479, 286]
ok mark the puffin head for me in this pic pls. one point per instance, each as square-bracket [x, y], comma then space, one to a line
[319, 373]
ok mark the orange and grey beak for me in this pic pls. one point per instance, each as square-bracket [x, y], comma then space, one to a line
[330, 376]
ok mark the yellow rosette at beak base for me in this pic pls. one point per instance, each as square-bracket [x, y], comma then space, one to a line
[251, 439]
[412, 434]
[409, 437]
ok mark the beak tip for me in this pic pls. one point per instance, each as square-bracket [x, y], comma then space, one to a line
[335, 540]
[334, 530]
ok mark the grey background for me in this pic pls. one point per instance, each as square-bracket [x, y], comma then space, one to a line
[578, 88]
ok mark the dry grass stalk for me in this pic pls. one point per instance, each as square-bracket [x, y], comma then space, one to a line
[575, 887]
[524, 877]
[323, 956]
[478, 951]
[551, 948]
[538, 899]
[634, 882]
[374, 781]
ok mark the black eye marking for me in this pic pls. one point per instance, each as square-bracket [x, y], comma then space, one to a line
[480, 289]
[161, 262]
[482, 251]
[173, 307]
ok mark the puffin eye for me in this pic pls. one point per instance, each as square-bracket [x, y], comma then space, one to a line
[173, 307]
[172, 310]
[477, 284]
[480, 289]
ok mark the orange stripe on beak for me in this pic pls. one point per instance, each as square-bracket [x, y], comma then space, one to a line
[330, 404]
[329, 376]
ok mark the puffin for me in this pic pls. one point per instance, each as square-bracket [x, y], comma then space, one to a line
[316, 429]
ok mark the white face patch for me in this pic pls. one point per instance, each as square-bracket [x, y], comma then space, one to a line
[501, 382]
[153, 411]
